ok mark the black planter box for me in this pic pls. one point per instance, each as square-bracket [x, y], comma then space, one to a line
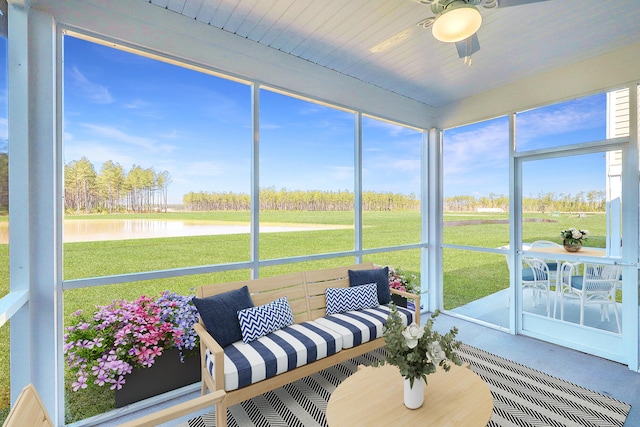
[166, 374]
[399, 300]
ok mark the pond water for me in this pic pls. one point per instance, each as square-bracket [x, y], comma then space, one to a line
[77, 230]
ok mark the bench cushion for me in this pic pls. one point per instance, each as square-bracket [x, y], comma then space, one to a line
[275, 353]
[358, 327]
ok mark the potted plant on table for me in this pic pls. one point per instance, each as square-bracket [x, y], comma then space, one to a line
[573, 238]
[109, 347]
[417, 352]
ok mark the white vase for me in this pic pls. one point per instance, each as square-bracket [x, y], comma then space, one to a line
[413, 396]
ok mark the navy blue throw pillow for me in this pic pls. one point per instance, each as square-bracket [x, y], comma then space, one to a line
[379, 276]
[220, 314]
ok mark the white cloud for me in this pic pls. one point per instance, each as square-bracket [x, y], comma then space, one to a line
[114, 134]
[553, 121]
[174, 134]
[137, 104]
[405, 165]
[340, 173]
[391, 129]
[98, 154]
[94, 92]
[206, 169]
[465, 152]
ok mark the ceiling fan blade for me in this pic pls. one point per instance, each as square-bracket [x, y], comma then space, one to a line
[509, 3]
[391, 41]
[399, 37]
[468, 47]
[427, 22]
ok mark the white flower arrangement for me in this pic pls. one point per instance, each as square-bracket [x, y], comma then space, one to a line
[417, 351]
[574, 236]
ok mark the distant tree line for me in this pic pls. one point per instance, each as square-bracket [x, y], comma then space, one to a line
[583, 201]
[112, 189]
[144, 190]
[299, 200]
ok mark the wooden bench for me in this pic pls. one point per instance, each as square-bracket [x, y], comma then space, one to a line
[306, 294]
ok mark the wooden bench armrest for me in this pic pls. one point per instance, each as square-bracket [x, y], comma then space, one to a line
[414, 297]
[208, 342]
[179, 410]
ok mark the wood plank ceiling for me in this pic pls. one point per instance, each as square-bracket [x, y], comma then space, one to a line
[515, 42]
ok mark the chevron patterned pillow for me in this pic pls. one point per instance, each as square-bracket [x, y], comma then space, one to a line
[256, 322]
[340, 300]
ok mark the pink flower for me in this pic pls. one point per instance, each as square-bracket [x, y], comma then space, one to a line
[125, 334]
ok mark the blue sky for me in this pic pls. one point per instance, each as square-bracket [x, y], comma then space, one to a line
[476, 156]
[134, 110]
[138, 111]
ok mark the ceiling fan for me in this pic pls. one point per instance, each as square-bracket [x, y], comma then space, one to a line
[454, 21]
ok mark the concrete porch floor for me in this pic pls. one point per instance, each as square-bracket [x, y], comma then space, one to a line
[494, 309]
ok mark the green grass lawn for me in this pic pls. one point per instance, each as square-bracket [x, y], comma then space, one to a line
[468, 275]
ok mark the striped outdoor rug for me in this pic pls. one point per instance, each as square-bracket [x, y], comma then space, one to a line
[522, 397]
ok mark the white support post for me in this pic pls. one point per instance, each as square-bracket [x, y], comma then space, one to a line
[255, 180]
[515, 230]
[35, 209]
[631, 240]
[432, 219]
[357, 186]
[19, 178]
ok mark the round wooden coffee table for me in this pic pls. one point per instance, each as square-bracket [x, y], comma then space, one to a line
[374, 397]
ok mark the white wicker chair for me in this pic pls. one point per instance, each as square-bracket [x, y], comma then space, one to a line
[597, 285]
[535, 276]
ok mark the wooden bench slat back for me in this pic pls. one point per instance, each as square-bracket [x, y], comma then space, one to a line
[265, 290]
[255, 285]
[304, 290]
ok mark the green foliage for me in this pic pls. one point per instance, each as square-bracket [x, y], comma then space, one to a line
[112, 189]
[416, 351]
[300, 200]
[590, 201]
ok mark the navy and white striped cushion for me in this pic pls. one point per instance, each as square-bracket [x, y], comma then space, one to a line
[340, 300]
[256, 322]
[278, 352]
[358, 327]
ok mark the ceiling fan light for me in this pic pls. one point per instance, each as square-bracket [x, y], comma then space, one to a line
[457, 23]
